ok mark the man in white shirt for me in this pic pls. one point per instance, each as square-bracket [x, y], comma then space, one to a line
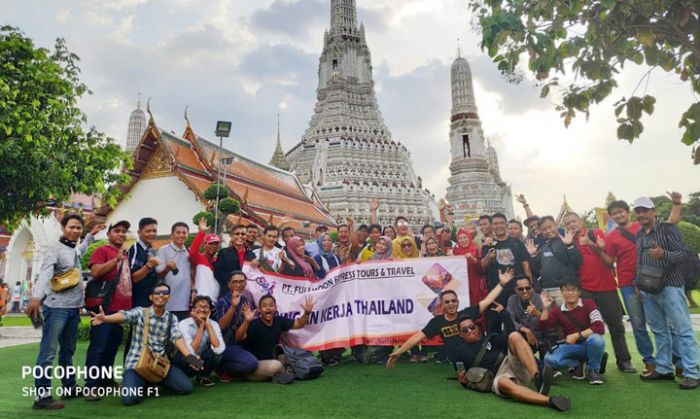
[270, 259]
[203, 338]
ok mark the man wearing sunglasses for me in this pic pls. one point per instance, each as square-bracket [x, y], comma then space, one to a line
[445, 325]
[509, 356]
[232, 258]
[524, 308]
[203, 337]
[162, 327]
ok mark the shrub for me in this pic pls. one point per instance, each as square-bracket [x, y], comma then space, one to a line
[211, 192]
[691, 235]
[90, 250]
[229, 206]
[206, 214]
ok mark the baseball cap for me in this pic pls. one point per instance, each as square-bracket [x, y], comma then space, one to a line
[643, 202]
[211, 238]
[122, 223]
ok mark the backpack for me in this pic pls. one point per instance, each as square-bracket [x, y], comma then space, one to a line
[299, 362]
[690, 269]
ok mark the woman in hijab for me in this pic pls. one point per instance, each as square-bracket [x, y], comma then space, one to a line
[297, 262]
[477, 283]
[405, 248]
[326, 258]
[382, 249]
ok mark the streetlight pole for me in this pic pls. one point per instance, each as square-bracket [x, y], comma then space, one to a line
[223, 129]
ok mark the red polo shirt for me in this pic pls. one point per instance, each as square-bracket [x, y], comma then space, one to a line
[594, 275]
[625, 252]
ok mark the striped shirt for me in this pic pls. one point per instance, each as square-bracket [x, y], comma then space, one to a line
[668, 237]
[160, 330]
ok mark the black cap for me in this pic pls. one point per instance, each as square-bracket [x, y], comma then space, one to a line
[122, 223]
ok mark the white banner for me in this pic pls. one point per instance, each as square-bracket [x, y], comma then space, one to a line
[372, 303]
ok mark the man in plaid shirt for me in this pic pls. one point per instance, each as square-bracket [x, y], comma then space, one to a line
[162, 327]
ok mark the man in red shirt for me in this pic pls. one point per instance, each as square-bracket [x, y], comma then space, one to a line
[598, 283]
[583, 329]
[109, 263]
[620, 248]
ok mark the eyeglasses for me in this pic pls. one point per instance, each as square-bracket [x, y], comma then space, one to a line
[467, 329]
[202, 309]
[242, 281]
[161, 292]
[401, 224]
[239, 234]
[524, 288]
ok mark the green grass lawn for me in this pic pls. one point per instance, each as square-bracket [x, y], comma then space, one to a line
[352, 390]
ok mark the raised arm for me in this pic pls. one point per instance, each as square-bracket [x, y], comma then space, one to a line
[373, 206]
[100, 318]
[675, 216]
[503, 279]
[308, 306]
[521, 199]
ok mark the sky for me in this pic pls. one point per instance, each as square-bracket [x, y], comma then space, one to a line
[245, 61]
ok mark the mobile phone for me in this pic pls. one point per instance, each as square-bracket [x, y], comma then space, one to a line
[460, 366]
[37, 321]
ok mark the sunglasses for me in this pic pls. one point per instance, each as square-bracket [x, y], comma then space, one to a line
[467, 329]
[161, 292]
[407, 245]
[524, 288]
[401, 224]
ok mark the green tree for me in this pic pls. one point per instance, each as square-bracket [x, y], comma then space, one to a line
[45, 154]
[690, 212]
[596, 39]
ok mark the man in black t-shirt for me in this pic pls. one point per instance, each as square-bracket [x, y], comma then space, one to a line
[504, 253]
[446, 324]
[261, 335]
[509, 357]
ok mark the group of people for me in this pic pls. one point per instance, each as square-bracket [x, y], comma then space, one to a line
[538, 303]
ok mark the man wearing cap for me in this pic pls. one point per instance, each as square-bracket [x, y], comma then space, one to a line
[659, 245]
[109, 263]
[203, 262]
[311, 246]
[174, 270]
[509, 357]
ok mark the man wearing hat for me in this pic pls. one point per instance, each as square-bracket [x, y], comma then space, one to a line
[659, 245]
[109, 263]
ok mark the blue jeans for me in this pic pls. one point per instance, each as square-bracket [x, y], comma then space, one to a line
[669, 320]
[210, 359]
[237, 361]
[635, 309]
[590, 351]
[176, 380]
[60, 328]
[104, 345]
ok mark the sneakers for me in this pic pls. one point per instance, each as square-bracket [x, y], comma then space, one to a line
[331, 363]
[648, 369]
[204, 381]
[689, 383]
[283, 378]
[543, 380]
[626, 367]
[655, 376]
[578, 372]
[414, 358]
[594, 377]
[47, 403]
[224, 377]
[604, 363]
[560, 403]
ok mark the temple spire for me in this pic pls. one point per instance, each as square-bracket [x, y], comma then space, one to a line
[343, 16]
[459, 49]
[278, 160]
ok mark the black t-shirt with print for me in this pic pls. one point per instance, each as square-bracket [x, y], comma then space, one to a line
[510, 253]
[447, 329]
[261, 339]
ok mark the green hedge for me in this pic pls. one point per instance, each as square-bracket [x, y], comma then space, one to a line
[691, 235]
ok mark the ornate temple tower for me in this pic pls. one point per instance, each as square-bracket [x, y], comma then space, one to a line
[137, 125]
[278, 160]
[476, 186]
[347, 153]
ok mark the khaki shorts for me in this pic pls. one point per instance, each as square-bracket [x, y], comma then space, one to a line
[511, 368]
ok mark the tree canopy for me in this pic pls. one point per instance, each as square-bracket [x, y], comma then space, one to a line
[595, 39]
[45, 153]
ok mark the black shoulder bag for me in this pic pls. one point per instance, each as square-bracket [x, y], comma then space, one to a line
[99, 292]
[478, 378]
